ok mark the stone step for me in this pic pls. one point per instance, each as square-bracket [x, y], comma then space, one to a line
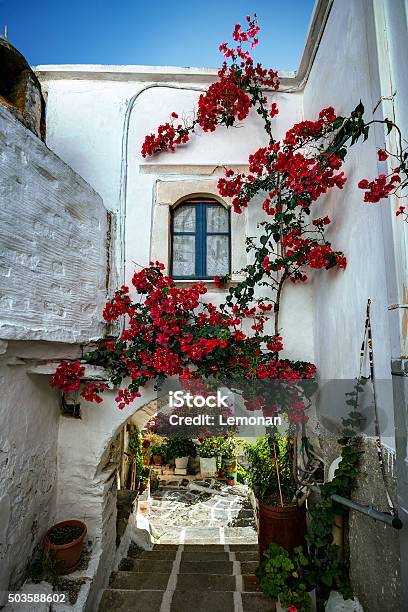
[216, 601]
[201, 582]
[130, 601]
[249, 567]
[165, 547]
[250, 555]
[146, 565]
[196, 555]
[256, 601]
[183, 601]
[206, 567]
[139, 581]
[189, 601]
[243, 547]
[134, 581]
[250, 584]
[205, 582]
[158, 554]
[204, 547]
[191, 563]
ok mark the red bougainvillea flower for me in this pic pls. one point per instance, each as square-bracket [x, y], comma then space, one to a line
[223, 102]
[274, 110]
[266, 264]
[230, 98]
[381, 187]
[275, 344]
[382, 155]
[67, 376]
[167, 138]
[220, 281]
[400, 211]
[91, 390]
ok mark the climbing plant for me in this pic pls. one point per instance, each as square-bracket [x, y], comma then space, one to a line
[170, 332]
[168, 329]
[330, 570]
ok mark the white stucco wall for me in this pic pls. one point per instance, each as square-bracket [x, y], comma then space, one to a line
[94, 105]
[29, 420]
[341, 79]
[88, 462]
[346, 70]
[87, 126]
[91, 126]
[53, 232]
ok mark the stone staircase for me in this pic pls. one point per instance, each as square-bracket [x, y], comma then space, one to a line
[187, 578]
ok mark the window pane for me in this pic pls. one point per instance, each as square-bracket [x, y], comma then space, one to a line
[184, 219]
[184, 256]
[217, 255]
[217, 219]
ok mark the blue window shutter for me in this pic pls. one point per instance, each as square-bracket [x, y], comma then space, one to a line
[203, 234]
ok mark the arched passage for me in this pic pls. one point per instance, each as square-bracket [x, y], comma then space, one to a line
[88, 460]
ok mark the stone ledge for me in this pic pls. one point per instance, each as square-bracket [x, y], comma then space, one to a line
[47, 368]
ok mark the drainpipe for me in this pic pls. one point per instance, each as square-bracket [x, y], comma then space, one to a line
[391, 33]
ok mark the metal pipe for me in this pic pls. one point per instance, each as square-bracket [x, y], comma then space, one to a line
[383, 517]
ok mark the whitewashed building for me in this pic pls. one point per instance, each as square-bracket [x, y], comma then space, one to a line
[81, 209]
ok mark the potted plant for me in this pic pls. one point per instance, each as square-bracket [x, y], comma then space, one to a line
[208, 450]
[63, 544]
[144, 479]
[288, 578]
[146, 451]
[270, 471]
[228, 449]
[221, 473]
[180, 448]
[156, 447]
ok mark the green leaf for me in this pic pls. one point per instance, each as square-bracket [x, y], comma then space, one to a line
[338, 122]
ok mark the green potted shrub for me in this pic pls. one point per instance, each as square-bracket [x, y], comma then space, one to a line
[208, 450]
[180, 448]
[270, 472]
[135, 457]
[144, 479]
[228, 449]
[288, 578]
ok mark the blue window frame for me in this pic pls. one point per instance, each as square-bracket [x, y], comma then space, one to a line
[201, 240]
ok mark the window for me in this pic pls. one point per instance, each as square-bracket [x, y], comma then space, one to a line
[201, 240]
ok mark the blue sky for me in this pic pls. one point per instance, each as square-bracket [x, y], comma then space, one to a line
[152, 32]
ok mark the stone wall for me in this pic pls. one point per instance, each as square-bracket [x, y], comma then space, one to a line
[53, 275]
[20, 90]
[29, 421]
[372, 542]
[53, 232]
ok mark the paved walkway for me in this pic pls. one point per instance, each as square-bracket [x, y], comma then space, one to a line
[190, 515]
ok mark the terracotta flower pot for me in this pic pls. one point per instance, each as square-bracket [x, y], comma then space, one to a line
[284, 526]
[65, 556]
